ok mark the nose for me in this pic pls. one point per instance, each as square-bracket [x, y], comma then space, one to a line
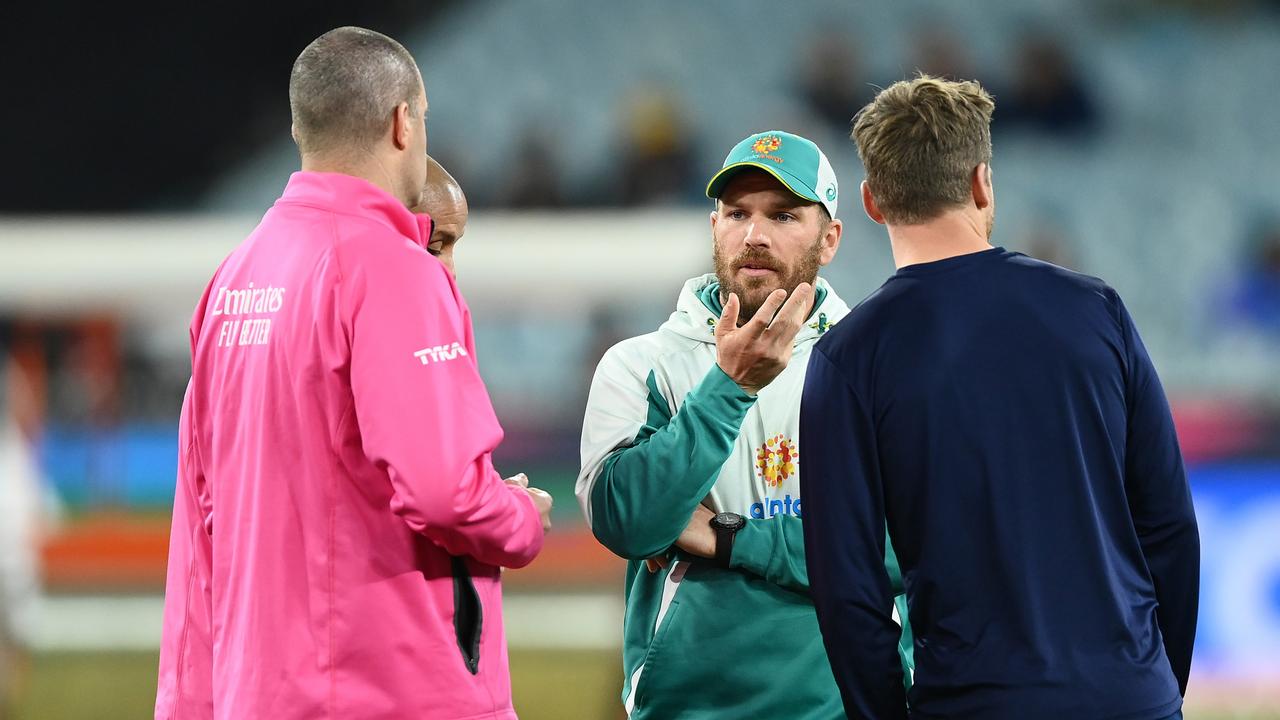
[756, 236]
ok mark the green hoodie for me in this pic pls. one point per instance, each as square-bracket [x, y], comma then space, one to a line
[665, 430]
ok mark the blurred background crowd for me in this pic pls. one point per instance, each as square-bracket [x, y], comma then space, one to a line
[1135, 140]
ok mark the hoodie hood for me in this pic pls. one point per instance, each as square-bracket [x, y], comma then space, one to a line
[694, 320]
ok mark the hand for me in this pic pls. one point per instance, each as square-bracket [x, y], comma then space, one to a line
[697, 539]
[658, 562]
[756, 353]
[542, 500]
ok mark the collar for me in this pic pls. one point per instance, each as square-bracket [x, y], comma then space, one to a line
[350, 195]
[710, 296]
[695, 319]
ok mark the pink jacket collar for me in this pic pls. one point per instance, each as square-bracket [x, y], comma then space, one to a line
[351, 195]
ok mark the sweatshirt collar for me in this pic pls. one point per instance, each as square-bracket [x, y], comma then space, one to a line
[710, 296]
[350, 195]
[693, 318]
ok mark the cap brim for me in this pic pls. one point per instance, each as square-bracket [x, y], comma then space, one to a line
[789, 181]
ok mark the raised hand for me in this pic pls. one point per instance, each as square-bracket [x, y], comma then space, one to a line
[754, 354]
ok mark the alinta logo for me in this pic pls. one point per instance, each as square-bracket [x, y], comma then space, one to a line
[776, 460]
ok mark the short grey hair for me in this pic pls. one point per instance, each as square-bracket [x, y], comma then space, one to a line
[344, 87]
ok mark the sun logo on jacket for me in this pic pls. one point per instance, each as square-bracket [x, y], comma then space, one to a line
[776, 460]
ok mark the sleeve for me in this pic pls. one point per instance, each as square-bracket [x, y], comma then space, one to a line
[184, 688]
[844, 534]
[644, 470]
[773, 548]
[423, 412]
[1160, 503]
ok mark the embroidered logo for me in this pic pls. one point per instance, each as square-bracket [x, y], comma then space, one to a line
[440, 353]
[821, 324]
[776, 460]
[766, 144]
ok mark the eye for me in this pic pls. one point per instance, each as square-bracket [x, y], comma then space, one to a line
[784, 217]
[736, 215]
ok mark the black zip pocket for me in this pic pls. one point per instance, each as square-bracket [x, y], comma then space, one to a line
[467, 614]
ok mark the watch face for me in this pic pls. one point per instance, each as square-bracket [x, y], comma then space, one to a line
[729, 521]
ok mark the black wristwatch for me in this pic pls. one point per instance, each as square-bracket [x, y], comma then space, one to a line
[726, 526]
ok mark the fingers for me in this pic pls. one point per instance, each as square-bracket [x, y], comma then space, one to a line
[793, 312]
[728, 316]
[544, 502]
[760, 321]
[656, 563]
[519, 480]
[539, 493]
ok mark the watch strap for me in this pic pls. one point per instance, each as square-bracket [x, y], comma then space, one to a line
[724, 545]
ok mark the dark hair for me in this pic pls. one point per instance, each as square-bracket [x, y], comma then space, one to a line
[344, 87]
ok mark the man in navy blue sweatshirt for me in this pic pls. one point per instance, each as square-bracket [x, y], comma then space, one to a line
[1002, 416]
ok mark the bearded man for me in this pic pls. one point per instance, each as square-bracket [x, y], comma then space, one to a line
[691, 456]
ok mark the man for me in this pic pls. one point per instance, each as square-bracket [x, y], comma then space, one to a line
[338, 526]
[443, 207]
[1004, 416]
[690, 440]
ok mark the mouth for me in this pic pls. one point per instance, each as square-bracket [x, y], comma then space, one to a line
[755, 269]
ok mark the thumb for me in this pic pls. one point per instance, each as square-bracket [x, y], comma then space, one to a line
[542, 494]
[728, 316]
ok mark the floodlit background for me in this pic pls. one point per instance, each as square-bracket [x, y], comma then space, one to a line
[1137, 141]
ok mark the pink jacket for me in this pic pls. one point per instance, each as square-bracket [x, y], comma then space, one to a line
[334, 472]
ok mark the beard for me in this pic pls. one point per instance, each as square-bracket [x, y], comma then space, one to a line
[753, 291]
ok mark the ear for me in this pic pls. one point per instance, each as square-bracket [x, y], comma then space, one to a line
[293, 133]
[869, 204]
[980, 182]
[715, 215]
[831, 242]
[401, 130]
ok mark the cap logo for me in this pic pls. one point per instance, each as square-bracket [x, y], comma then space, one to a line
[766, 144]
[831, 193]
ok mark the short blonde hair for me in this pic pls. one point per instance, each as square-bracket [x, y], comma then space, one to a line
[919, 141]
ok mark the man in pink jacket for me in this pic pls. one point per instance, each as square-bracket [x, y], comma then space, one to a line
[338, 527]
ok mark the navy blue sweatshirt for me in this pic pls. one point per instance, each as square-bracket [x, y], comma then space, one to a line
[1002, 415]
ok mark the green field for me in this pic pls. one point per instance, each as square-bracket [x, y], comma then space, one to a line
[547, 685]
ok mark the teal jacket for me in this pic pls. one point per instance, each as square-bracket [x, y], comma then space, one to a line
[665, 430]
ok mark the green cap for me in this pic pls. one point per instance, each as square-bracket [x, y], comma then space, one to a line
[796, 162]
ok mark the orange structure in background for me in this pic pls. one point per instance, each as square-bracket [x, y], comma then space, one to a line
[118, 552]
